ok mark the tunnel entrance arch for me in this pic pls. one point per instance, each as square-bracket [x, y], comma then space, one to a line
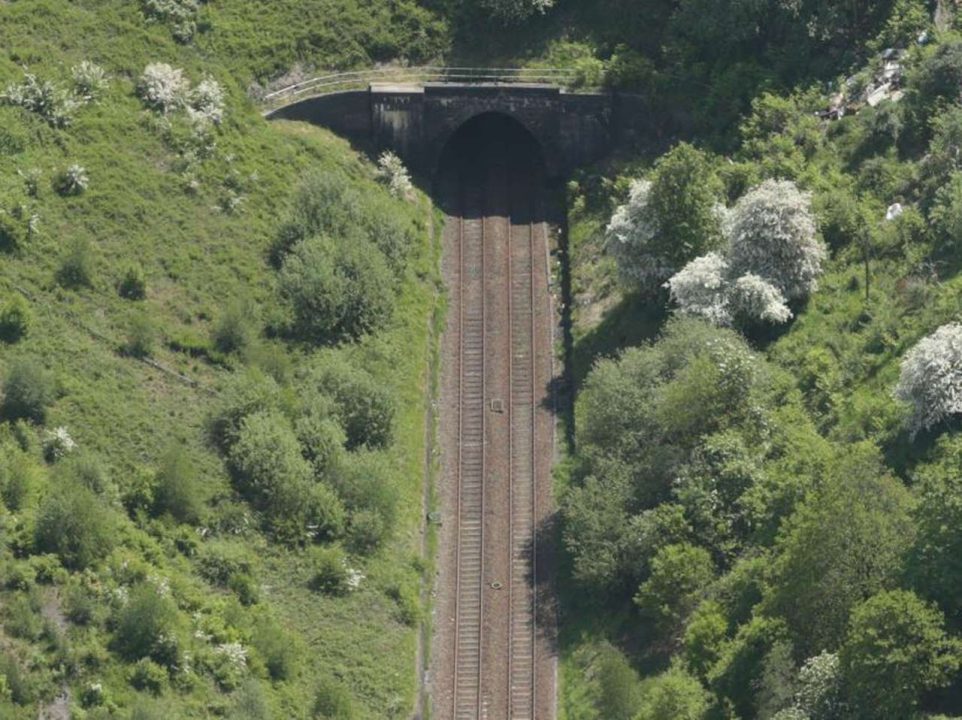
[486, 137]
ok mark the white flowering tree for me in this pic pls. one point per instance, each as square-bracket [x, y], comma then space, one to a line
[392, 173]
[771, 234]
[207, 102]
[630, 235]
[701, 288]
[931, 378]
[164, 87]
[757, 299]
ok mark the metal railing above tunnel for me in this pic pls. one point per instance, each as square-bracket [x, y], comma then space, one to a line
[565, 78]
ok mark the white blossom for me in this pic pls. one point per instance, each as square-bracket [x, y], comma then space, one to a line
[771, 234]
[234, 653]
[57, 444]
[629, 235]
[818, 687]
[42, 97]
[758, 299]
[354, 577]
[164, 87]
[701, 288]
[931, 378]
[73, 180]
[391, 171]
[89, 80]
[207, 102]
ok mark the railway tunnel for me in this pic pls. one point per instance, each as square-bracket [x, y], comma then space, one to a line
[493, 651]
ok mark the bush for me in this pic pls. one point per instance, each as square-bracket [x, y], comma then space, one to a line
[89, 80]
[233, 330]
[13, 233]
[392, 173]
[275, 648]
[28, 391]
[947, 213]
[362, 405]
[141, 336]
[268, 468]
[332, 701]
[331, 574]
[73, 523]
[14, 319]
[163, 87]
[133, 285]
[931, 378]
[178, 491]
[72, 181]
[19, 476]
[42, 97]
[147, 627]
[679, 577]
[322, 440]
[87, 470]
[336, 290]
[674, 695]
[20, 684]
[148, 676]
[76, 266]
[245, 394]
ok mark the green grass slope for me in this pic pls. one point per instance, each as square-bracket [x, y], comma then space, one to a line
[234, 628]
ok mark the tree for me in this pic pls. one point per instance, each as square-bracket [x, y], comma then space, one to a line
[817, 693]
[668, 220]
[146, 625]
[679, 576]
[701, 289]
[935, 562]
[843, 544]
[674, 695]
[336, 290]
[896, 648]
[771, 234]
[74, 524]
[946, 214]
[28, 391]
[931, 378]
[178, 490]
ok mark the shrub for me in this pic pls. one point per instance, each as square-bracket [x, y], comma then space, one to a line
[322, 441]
[674, 695]
[57, 444]
[207, 102]
[85, 469]
[275, 648]
[89, 80]
[331, 574]
[701, 289]
[758, 300]
[163, 87]
[180, 15]
[133, 285]
[233, 332]
[362, 405]
[332, 701]
[946, 214]
[148, 676]
[772, 235]
[146, 627]
[13, 233]
[392, 173]
[28, 390]
[141, 335]
[19, 477]
[336, 290]
[178, 491]
[72, 181]
[245, 394]
[73, 523]
[20, 684]
[42, 97]
[14, 319]
[931, 378]
[268, 467]
[679, 576]
[76, 266]
[668, 220]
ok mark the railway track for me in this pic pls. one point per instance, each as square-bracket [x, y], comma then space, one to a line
[494, 232]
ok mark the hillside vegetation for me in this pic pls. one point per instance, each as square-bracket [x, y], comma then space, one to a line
[215, 364]
[760, 510]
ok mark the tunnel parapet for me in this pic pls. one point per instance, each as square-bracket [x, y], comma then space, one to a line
[416, 120]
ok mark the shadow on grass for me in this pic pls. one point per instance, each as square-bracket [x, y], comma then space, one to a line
[633, 321]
